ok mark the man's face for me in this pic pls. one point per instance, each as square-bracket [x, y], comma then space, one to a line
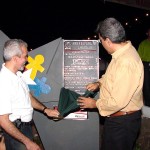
[105, 44]
[22, 59]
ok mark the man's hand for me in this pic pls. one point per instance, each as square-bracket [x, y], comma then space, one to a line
[93, 86]
[51, 112]
[31, 145]
[84, 102]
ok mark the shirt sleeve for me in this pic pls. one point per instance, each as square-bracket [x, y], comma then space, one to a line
[5, 99]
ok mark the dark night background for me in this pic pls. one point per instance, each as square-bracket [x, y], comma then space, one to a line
[39, 22]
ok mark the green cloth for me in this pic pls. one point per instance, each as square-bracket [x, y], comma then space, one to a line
[68, 101]
[144, 50]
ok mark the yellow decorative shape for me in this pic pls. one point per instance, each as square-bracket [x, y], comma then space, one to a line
[35, 64]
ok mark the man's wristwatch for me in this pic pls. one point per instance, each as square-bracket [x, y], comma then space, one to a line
[44, 109]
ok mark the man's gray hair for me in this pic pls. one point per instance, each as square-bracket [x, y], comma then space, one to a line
[12, 48]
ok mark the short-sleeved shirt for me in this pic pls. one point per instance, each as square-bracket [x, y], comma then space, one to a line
[14, 96]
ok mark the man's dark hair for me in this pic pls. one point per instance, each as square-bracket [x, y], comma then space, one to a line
[112, 29]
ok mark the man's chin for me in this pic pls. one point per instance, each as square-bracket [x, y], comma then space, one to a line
[22, 69]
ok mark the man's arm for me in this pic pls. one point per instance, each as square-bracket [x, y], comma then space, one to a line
[39, 106]
[10, 128]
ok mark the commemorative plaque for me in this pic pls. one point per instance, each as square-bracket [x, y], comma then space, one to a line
[81, 64]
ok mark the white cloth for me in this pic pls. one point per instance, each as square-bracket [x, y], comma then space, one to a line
[14, 96]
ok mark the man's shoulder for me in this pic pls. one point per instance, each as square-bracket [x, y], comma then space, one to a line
[3, 76]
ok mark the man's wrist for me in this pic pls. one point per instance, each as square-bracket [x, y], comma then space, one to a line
[98, 83]
[44, 109]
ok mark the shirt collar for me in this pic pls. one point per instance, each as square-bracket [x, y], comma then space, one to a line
[121, 50]
[6, 70]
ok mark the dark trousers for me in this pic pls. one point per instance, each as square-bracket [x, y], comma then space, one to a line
[13, 144]
[146, 85]
[121, 132]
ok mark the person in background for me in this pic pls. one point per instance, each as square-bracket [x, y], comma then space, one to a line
[144, 52]
[121, 99]
[16, 101]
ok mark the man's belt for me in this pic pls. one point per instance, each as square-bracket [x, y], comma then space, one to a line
[121, 113]
[18, 123]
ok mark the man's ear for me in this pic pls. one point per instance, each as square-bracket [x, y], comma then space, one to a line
[108, 41]
[14, 58]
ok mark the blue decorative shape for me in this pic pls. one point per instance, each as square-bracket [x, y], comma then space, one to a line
[40, 87]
